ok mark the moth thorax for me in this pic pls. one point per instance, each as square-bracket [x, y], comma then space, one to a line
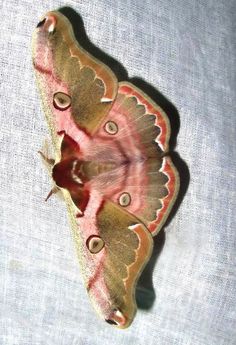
[124, 199]
[93, 169]
[111, 127]
[75, 171]
[95, 244]
[61, 101]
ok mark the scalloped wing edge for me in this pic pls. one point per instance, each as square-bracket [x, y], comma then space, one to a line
[168, 168]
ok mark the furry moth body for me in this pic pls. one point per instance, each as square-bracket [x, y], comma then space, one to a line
[111, 164]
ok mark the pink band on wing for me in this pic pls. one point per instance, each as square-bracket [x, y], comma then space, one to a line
[162, 138]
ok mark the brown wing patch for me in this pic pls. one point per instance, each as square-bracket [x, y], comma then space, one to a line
[128, 246]
[88, 81]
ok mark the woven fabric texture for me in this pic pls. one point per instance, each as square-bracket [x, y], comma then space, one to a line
[187, 51]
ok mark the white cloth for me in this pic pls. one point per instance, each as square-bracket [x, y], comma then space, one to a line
[186, 50]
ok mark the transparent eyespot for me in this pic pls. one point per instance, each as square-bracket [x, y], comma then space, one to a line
[95, 244]
[125, 199]
[111, 127]
[61, 101]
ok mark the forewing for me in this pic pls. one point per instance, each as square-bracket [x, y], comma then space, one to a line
[111, 273]
[65, 68]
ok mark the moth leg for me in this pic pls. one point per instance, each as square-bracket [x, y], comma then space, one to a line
[48, 162]
[54, 190]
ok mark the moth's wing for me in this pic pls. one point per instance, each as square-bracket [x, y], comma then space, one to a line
[62, 65]
[81, 104]
[111, 274]
[146, 172]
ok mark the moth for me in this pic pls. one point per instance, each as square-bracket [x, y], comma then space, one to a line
[111, 164]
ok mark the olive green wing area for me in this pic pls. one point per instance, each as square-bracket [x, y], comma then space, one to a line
[128, 245]
[91, 85]
[84, 87]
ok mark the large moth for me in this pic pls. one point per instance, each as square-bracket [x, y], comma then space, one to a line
[111, 164]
